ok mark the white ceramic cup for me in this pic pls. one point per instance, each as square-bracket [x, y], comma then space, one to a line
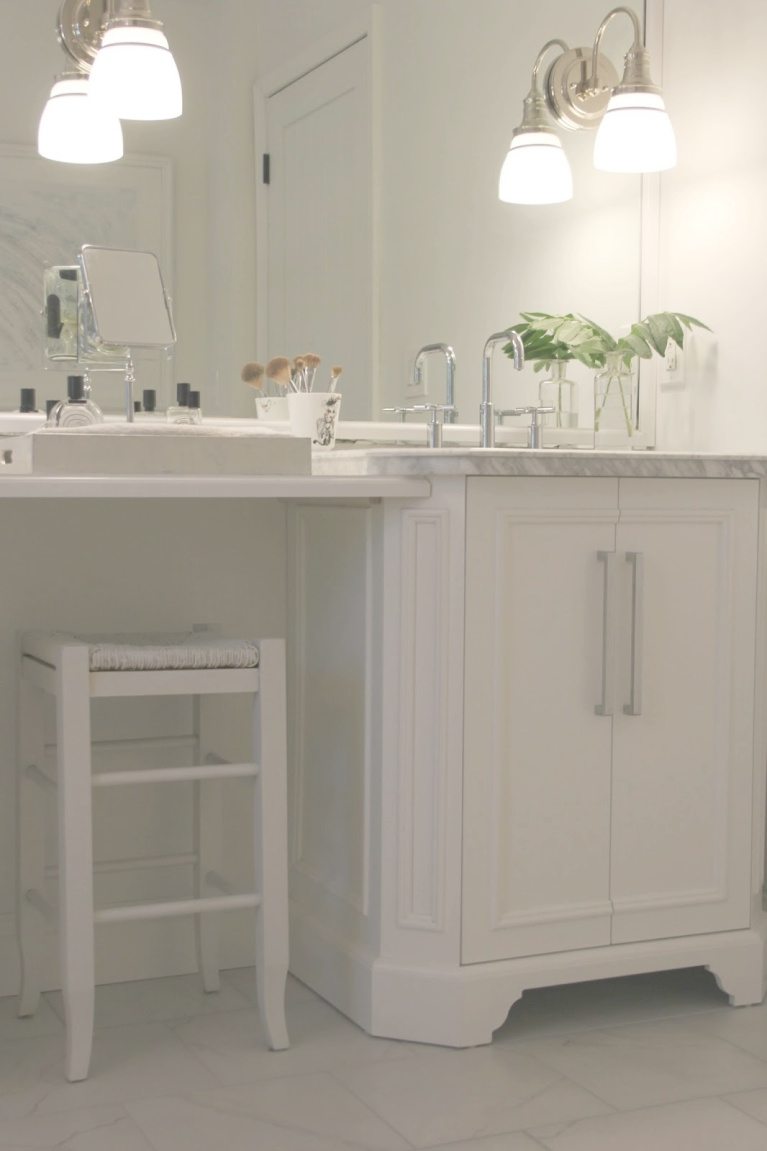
[314, 416]
[272, 407]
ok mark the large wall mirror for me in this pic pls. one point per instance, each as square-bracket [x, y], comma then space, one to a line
[446, 260]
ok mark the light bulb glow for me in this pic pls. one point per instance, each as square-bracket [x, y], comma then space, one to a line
[75, 130]
[635, 135]
[535, 171]
[135, 76]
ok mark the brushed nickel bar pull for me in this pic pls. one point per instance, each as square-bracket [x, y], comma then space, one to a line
[636, 559]
[605, 705]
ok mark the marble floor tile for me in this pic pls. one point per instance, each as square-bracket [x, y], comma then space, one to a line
[648, 1064]
[128, 1063]
[306, 1112]
[244, 979]
[156, 1000]
[754, 1103]
[746, 1027]
[442, 1096]
[612, 1003]
[45, 1021]
[517, 1141]
[93, 1129]
[233, 1047]
[700, 1125]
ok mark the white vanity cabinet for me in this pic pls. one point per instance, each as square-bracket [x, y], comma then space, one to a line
[609, 712]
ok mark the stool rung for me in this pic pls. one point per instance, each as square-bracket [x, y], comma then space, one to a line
[166, 910]
[176, 774]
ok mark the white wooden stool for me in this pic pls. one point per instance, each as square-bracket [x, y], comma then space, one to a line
[75, 670]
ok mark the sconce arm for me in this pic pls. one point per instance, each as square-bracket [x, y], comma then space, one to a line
[637, 64]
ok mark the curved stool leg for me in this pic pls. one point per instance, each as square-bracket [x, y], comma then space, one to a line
[271, 821]
[31, 848]
[75, 857]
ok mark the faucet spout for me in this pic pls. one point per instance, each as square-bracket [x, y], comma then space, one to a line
[486, 417]
[449, 355]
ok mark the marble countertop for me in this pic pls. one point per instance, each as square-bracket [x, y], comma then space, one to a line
[418, 461]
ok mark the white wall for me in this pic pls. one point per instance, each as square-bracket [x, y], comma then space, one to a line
[456, 263]
[714, 222]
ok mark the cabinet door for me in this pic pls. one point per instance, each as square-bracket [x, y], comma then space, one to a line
[536, 756]
[682, 769]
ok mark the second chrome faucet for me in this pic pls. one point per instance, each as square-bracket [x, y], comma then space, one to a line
[486, 416]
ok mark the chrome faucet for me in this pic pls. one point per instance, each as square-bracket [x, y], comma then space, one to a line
[449, 354]
[486, 417]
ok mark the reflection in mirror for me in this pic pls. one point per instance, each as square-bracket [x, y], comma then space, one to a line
[127, 297]
[123, 306]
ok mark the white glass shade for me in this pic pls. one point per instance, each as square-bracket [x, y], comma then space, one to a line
[635, 135]
[135, 76]
[535, 171]
[75, 130]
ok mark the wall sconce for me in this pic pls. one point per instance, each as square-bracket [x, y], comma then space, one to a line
[123, 69]
[581, 90]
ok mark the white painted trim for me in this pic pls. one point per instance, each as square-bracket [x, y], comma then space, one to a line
[367, 26]
[649, 241]
[316, 54]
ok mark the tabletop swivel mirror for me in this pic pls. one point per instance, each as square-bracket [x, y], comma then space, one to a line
[124, 307]
[99, 311]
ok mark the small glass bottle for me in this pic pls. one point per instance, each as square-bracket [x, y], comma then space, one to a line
[28, 402]
[77, 411]
[195, 411]
[180, 413]
[561, 394]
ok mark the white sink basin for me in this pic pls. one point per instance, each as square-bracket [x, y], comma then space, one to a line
[167, 449]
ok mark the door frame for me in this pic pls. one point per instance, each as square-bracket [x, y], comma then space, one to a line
[365, 27]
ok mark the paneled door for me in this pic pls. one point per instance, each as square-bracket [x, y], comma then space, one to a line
[537, 756]
[684, 714]
[320, 223]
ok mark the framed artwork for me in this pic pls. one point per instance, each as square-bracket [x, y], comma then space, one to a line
[47, 212]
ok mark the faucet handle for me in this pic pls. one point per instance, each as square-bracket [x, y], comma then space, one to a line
[434, 425]
[534, 430]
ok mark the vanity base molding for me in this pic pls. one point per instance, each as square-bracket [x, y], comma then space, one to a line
[463, 1006]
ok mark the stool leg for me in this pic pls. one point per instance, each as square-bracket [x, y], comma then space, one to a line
[207, 823]
[75, 856]
[271, 824]
[31, 849]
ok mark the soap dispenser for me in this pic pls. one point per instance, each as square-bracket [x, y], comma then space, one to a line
[77, 410]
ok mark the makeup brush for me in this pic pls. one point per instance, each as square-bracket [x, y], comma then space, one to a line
[299, 374]
[311, 363]
[278, 370]
[334, 374]
[253, 374]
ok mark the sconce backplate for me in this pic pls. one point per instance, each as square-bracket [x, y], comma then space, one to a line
[570, 102]
[79, 29]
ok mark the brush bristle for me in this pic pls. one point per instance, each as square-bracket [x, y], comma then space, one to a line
[311, 360]
[336, 372]
[252, 374]
[278, 370]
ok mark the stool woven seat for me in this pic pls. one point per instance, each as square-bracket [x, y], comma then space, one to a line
[76, 669]
[166, 651]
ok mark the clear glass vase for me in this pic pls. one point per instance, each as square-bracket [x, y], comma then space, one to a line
[561, 394]
[615, 398]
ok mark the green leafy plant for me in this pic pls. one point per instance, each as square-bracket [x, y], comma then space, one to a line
[573, 337]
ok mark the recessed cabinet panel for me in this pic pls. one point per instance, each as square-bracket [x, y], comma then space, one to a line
[537, 756]
[609, 711]
[682, 766]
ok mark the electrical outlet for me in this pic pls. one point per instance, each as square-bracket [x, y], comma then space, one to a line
[413, 390]
[671, 373]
